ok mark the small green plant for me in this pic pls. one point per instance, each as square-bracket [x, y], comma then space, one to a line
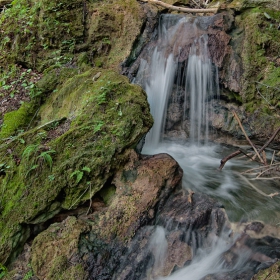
[3, 271]
[106, 41]
[102, 97]
[29, 150]
[29, 274]
[46, 156]
[78, 174]
[3, 168]
[43, 157]
[51, 178]
[98, 126]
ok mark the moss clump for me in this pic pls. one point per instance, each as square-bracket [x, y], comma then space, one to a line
[16, 120]
[259, 52]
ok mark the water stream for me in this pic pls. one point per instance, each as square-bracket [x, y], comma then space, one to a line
[163, 75]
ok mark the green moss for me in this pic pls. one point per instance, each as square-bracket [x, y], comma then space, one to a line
[107, 193]
[58, 266]
[107, 116]
[51, 33]
[261, 42]
[271, 273]
[16, 120]
[74, 272]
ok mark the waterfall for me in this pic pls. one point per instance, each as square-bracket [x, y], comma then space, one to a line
[179, 62]
[199, 82]
[181, 80]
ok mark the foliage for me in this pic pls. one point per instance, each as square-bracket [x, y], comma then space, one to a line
[3, 271]
[260, 57]
[29, 274]
[29, 195]
[36, 161]
[3, 168]
[79, 174]
[17, 80]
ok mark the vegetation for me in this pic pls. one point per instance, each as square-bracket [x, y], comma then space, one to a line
[71, 118]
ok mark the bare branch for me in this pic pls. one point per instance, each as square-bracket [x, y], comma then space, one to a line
[256, 189]
[181, 9]
[246, 136]
[232, 155]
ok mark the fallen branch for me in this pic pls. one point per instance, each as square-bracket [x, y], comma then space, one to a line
[260, 167]
[246, 136]
[270, 139]
[232, 155]
[256, 189]
[265, 178]
[181, 9]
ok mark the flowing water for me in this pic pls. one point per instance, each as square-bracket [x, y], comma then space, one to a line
[163, 75]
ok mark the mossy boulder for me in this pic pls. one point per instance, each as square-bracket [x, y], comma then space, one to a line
[68, 249]
[43, 34]
[80, 141]
[271, 273]
[241, 5]
[54, 251]
[257, 44]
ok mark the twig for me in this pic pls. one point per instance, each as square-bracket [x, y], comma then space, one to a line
[265, 178]
[264, 157]
[270, 139]
[246, 136]
[267, 169]
[181, 9]
[260, 167]
[232, 155]
[78, 198]
[32, 119]
[267, 86]
[256, 189]
[89, 198]
[272, 159]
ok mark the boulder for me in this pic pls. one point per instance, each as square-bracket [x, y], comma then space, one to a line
[79, 141]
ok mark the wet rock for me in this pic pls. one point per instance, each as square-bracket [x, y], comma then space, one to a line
[174, 115]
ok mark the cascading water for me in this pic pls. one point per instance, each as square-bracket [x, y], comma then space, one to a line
[196, 76]
[179, 69]
[199, 84]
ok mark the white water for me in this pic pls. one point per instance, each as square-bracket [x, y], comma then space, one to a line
[200, 163]
[199, 83]
[158, 89]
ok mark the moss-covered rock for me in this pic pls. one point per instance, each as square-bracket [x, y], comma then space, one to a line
[68, 249]
[271, 273]
[15, 120]
[241, 5]
[50, 33]
[55, 249]
[104, 117]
